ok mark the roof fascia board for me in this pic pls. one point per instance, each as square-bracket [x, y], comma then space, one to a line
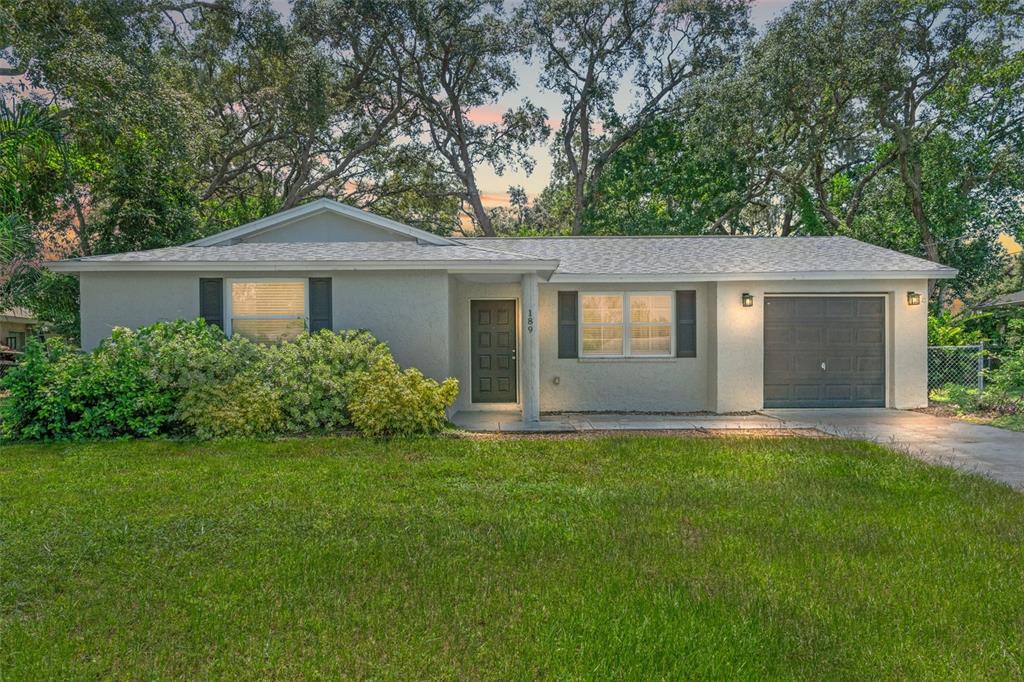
[329, 205]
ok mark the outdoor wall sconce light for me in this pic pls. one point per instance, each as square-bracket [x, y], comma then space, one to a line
[913, 298]
[748, 300]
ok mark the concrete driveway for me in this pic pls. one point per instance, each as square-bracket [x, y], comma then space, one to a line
[996, 453]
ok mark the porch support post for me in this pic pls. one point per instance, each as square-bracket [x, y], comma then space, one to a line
[529, 354]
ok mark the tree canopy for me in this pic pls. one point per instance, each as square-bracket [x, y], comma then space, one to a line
[133, 124]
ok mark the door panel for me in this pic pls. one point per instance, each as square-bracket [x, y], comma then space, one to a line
[493, 349]
[824, 351]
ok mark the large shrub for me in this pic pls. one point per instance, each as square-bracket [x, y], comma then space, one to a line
[116, 394]
[244, 405]
[310, 376]
[187, 378]
[1008, 376]
[388, 401]
[56, 392]
[41, 388]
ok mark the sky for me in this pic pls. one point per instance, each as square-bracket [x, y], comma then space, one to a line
[494, 188]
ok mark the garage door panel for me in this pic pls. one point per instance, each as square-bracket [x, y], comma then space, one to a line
[870, 336]
[808, 336]
[842, 364]
[870, 392]
[871, 307]
[845, 333]
[871, 365]
[841, 335]
[778, 336]
[808, 308]
[806, 392]
[778, 366]
[838, 392]
[840, 307]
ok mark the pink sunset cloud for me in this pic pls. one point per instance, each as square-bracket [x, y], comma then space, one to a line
[491, 114]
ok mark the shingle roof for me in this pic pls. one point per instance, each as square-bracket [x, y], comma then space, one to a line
[255, 252]
[711, 255]
[1014, 298]
[640, 257]
[17, 312]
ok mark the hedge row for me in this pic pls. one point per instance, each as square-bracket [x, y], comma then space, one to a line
[188, 379]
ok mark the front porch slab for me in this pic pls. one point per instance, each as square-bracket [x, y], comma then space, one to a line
[612, 421]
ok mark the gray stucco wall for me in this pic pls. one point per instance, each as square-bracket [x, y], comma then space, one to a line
[654, 384]
[408, 310]
[630, 384]
[326, 227]
[134, 299]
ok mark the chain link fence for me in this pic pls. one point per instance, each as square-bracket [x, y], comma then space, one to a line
[964, 365]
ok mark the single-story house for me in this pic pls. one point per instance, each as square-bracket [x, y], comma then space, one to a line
[554, 324]
[16, 327]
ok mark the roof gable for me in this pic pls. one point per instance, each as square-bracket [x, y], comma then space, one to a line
[323, 220]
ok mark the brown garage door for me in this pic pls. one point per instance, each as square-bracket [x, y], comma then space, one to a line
[824, 351]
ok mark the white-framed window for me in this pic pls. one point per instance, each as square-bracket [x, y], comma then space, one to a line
[267, 310]
[623, 324]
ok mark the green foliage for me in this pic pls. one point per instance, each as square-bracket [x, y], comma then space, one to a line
[1004, 385]
[1008, 376]
[310, 376]
[41, 392]
[389, 402]
[187, 378]
[57, 393]
[116, 395]
[244, 405]
[665, 181]
[147, 201]
[946, 329]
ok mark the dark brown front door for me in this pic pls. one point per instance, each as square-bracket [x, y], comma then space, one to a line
[824, 351]
[493, 345]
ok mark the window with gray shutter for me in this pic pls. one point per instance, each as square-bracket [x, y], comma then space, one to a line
[320, 314]
[211, 300]
[568, 324]
[686, 324]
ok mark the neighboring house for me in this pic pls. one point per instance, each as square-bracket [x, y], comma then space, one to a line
[555, 323]
[16, 327]
[1006, 300]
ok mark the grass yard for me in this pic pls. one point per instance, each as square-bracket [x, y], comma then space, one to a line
[630, 558]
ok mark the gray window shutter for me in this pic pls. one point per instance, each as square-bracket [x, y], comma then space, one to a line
[568, 325]
[686, 324]
[211, 300]
[320, 304]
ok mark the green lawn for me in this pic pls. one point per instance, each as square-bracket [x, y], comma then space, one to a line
[627, 558]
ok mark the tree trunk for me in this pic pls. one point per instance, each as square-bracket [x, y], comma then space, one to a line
[912, 174]
[480, 214]
[577, 205]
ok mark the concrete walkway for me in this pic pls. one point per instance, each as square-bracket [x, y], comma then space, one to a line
[993, 452]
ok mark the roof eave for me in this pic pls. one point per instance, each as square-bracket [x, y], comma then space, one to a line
[585, 278]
